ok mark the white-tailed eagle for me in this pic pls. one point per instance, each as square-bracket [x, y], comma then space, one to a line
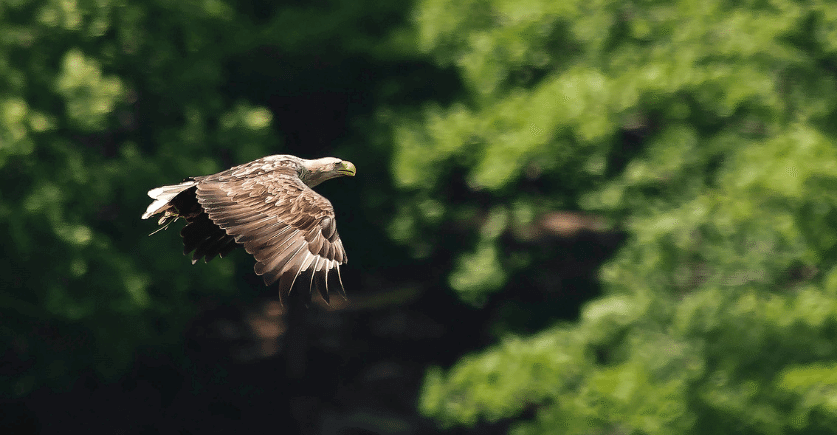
[268, 207]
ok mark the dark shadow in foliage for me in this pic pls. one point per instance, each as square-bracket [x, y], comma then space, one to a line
[565, 251]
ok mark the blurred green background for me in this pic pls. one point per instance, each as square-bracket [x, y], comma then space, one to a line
[570, 217]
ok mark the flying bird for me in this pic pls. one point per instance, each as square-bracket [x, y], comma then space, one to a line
[267, 206]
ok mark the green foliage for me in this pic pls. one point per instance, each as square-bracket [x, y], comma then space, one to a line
[79, 291]
[555, 86]
[720, 308]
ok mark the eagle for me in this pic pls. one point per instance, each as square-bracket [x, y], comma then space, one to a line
[267, 206]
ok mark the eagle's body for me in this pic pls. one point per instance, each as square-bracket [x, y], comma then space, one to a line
[268, 207]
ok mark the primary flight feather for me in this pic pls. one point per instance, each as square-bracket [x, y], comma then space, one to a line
[268, 207]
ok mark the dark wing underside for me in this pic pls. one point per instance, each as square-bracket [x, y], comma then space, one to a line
[205, 238]
[283, 223]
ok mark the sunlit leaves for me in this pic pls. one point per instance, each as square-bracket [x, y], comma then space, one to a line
[709, 139]
[246, 129]
[478, 271]
[496, 383]
[814, 388]
[89, 96]
[14, 131]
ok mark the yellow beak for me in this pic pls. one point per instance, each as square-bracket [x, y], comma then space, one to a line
[347, 168]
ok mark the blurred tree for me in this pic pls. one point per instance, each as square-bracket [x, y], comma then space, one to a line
[705, 131]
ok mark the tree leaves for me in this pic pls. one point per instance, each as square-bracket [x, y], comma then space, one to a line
[708, 314]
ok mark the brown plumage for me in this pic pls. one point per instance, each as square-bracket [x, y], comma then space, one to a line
[268, 207]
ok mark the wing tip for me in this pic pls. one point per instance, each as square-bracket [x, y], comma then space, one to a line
[318, 280]
[162, 195]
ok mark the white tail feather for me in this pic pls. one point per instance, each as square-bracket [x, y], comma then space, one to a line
[162, 196]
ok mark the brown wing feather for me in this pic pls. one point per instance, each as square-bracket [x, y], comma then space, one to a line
[283, 223]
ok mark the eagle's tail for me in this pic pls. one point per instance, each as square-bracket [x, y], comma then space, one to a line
[162, 196]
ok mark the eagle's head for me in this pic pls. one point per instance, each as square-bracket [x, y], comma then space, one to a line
[316, 171]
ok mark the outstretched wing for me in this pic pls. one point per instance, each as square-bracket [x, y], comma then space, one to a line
[283, 223]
